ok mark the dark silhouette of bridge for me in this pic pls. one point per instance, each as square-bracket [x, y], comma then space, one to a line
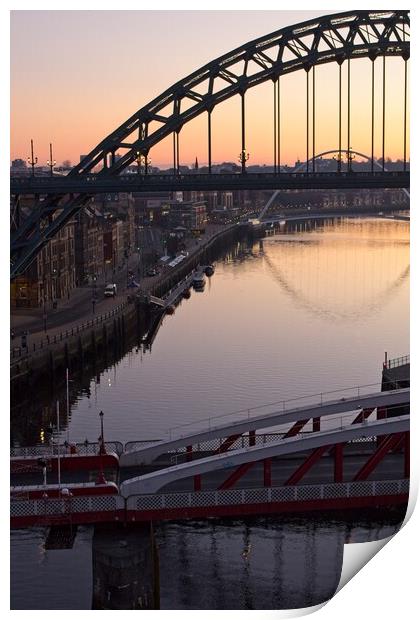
[340, 38]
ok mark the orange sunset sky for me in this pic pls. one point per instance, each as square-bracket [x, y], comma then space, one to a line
[77, 75]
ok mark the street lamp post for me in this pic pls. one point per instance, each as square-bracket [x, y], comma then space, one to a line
[101, 438]
[32, 160]
[51, 163]
[339, 160]
[350, 157]
[243, 158]
[138, 266]
[143, 163]
[44, 310]
[94, 296]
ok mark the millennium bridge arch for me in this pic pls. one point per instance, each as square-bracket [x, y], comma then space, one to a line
[338, 38]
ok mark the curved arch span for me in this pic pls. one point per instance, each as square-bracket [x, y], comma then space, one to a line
[331, 38]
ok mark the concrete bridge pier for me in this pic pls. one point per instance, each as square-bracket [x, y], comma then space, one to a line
[125, 568]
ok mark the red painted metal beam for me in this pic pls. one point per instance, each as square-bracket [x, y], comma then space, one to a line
[306, 465]
[252, 438]
[197, 482]
[68, 462]
[296, 428]
[363, 415]
[316, 425]
[228, 442]
[388, 443]
[267, 472]
[342, 503]
[189, 453]
[338, 462]
[236, 475]
[204, 512]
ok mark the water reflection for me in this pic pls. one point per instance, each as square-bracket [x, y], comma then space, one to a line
[309, 310]
[342, 302]
[341, 272]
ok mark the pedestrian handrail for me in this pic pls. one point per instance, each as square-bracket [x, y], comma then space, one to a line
[18, 352]
[397, 361]
[316, 399]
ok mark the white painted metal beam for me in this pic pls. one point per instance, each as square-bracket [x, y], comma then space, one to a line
[148, 453]
[151, 483]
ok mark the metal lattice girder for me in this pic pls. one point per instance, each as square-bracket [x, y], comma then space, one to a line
[387, 444]
[331, 38]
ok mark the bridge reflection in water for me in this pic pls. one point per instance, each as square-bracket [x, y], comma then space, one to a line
[259, 563]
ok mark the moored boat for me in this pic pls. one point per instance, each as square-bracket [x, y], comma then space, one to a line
[198, 281]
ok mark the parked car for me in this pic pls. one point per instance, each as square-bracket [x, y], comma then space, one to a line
[110, 290]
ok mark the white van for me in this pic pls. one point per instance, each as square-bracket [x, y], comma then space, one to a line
[110, 290]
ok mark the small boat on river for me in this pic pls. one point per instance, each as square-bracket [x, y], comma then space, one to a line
[199, 281]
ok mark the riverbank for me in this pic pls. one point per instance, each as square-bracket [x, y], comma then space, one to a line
[79, 346]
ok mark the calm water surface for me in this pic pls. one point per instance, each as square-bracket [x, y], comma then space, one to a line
[305, 311]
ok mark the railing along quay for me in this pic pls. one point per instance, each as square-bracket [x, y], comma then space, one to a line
[397, 361]
[19, 352]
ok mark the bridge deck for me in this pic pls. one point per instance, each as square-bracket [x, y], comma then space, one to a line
[102, 183]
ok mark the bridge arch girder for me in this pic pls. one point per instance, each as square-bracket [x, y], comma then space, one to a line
[331, 38]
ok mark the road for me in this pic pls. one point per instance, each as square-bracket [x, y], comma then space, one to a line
[79, 307]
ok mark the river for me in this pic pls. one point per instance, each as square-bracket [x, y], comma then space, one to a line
[310, 309]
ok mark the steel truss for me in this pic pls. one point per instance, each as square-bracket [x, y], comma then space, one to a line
[332, 38]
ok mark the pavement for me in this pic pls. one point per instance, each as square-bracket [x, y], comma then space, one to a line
[79, 308]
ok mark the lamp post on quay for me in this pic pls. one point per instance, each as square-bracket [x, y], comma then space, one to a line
[51, 163]
[32, 160]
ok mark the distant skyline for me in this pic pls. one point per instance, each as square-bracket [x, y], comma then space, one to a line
[77, 75]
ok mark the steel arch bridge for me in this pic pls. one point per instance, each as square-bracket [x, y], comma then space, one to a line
[333, 38]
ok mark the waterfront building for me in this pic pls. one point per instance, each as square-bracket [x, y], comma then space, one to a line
[51, 277]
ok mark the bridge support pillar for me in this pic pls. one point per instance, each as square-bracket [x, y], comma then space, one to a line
[197, 482]
[189, 453]
[316, 425]
[252, 438]
[125, 568]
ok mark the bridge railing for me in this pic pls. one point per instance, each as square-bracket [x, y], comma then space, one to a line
[136, 179]
[115, 506]
[397, 361]
[212, 446]
[66, 507]
[266, 495]
[50, 451]
[280, 406]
